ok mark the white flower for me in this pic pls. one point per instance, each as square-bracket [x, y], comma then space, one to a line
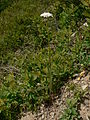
[85, 24]
[73, 34]
[46, 15]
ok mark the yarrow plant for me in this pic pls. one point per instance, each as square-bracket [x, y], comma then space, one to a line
[47, 15]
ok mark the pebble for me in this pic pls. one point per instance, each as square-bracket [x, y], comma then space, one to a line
[84, 87]
[52, 114]
[43, 116]
[75, 75]
[75, 81]
[42, 111]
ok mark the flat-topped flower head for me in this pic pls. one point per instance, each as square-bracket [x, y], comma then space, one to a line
[46, 15]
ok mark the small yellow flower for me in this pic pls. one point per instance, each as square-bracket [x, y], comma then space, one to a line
[82, 73]
[82, 65]
[78, 78]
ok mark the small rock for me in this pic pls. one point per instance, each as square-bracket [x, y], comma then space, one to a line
[40, 114]
[87, 117]
[75, 75]
[84, 87]
[75, 81]
[52, 114]
[87, 77]
[39, 118]
[43, 116]
[42, 111]
[41, 108]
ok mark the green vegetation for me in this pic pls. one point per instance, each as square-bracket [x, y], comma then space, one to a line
[72, 113]
[4, 4]
[37, 55]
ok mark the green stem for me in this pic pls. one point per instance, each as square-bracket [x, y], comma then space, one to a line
[49, 68]
[49, 61]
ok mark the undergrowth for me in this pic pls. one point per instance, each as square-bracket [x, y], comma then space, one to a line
[73, 104]
[37, 55]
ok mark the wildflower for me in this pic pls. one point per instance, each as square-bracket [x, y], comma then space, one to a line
[85, 24]
[82, 73]
[73, 34]
[78, 78]
[46, 15]
[81, 64]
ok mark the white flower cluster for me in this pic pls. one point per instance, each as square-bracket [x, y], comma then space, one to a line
[46, 15]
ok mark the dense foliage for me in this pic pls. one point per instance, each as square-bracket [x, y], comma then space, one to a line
[4, 4]
[37, 55]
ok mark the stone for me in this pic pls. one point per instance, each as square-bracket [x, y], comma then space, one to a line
[84, 87]
[43, 116]
[52, 114]
[75, 75]
[75, 81]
